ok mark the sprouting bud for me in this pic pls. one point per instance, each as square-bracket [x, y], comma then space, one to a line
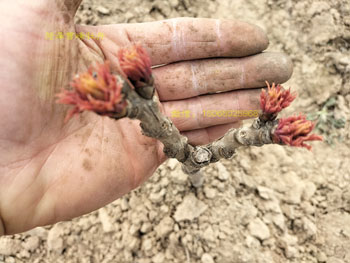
[275, 99]
[136, 64]
[294, 131]
[96, 90]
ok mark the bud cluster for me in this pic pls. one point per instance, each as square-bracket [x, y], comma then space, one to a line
[294, 130]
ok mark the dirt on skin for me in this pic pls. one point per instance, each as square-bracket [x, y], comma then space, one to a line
[270, 204]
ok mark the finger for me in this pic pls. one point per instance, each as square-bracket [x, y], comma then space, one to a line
[184, 38]
[211, 110]
[192, 78]
[207, 135]
[192, 38]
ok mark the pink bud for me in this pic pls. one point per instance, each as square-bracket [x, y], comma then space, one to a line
[275, 99]
[135, 63]
[294, 131]
[96, 90]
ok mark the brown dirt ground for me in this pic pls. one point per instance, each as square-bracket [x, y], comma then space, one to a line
[270, 204]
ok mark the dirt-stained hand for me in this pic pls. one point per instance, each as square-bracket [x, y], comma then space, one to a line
[51, 172]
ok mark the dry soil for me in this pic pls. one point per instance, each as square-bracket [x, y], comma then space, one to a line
[270, 204]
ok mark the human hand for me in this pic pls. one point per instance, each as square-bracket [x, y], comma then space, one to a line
[51, 172]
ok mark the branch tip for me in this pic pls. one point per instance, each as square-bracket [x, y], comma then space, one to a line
[275, 99]
[295, 131]
[96, 90]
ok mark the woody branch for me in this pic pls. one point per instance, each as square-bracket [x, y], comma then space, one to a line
[130, 93]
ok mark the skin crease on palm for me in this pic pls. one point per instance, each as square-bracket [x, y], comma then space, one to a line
[51, 171]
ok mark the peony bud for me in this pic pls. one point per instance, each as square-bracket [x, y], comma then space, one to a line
[294, 131]
[135, 63]
[275, 99]
[96, 90]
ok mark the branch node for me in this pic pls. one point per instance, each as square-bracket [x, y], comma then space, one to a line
[201, 156]
[226, 153]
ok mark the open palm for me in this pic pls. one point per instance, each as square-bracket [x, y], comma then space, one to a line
[50, 171]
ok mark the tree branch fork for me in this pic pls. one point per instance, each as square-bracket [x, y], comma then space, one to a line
[130, 93]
